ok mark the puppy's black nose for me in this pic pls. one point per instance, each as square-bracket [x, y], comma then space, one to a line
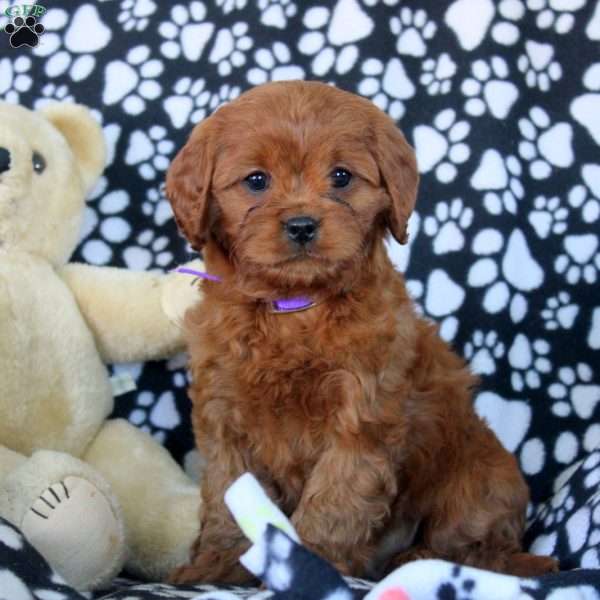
[301, 230]
[4, 160]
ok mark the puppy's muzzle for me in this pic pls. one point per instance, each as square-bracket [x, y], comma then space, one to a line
[301, 230]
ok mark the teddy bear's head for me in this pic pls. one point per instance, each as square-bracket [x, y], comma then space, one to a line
[49, 160]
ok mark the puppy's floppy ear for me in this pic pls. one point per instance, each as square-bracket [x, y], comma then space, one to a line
[398, 169]
[189, 182]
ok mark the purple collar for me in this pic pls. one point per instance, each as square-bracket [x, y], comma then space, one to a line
[282, 305]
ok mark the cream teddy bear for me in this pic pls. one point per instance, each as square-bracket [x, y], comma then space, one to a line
[92, 495]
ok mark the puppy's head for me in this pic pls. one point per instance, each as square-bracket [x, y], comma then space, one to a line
[294, 181]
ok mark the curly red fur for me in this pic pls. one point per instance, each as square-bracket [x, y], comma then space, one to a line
[355, 415]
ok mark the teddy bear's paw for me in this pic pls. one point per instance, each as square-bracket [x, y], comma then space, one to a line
[72, 524]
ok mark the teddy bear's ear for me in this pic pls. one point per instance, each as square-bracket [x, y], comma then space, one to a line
[84, 136]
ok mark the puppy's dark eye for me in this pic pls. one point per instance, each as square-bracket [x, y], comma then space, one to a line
[39, 163]
[257, 181]
[340, 177]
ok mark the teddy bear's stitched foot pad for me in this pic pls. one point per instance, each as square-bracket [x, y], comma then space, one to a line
[73, 526]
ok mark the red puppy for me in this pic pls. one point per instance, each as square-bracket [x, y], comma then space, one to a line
[351, 411]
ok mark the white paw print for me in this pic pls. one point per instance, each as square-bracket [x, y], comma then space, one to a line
[442, 299]
[499, 178]
[68, 51]
[528, 362]
[150, 151]
[273, 65]
[230, 47]
[114, 228]
[135, 14]
[559, 312]
[581, 260]
[505, 271]
[555, 14]
[471, 21]
[387, 85]
[53, 93]
[187, 32]
[230, 5]
[275, 13]
[413, 30]
[385, 2]
[155, 415]
[437, 74]
[483, 351]
[576, 391]
[14, 78]
[191, 101]
[537, 65]
[488, 89]
[586, 198]
[332, 37]
[447, 224]
[109, 226]
[548, 216]
[133, 81]
[148, 253]
[157, 206]
[442, 146]
[545, 145]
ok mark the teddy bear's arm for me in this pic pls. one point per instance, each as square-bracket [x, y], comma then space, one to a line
[134, 316]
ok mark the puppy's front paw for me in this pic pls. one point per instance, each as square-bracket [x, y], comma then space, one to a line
[531, 565]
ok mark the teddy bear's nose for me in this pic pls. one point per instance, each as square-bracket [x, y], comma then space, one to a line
[4, 160]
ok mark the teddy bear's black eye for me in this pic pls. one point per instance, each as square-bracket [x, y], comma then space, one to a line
[257, 181]
[340, 177]
[39, 162]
